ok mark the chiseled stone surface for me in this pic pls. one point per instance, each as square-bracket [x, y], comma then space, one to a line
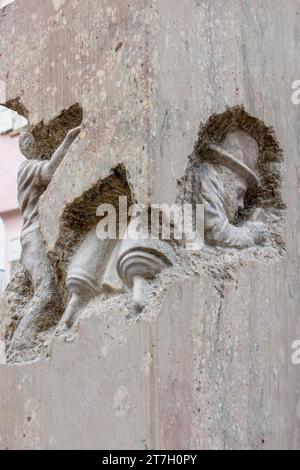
[208, 366]
[211, 370]
[146, 73]
[95, 54]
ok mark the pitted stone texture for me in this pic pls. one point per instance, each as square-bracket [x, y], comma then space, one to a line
[95, 54]
[212, 370]
[146, 73]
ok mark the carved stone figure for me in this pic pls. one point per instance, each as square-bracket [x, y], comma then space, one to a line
[113, 264]
[85, 277]
[220, 183]
[34, 176]
[141, 259]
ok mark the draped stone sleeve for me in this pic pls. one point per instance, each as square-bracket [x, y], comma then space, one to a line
[210, 191]
[30, 188]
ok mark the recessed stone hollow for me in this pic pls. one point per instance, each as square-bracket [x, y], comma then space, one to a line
[268, 195]
[77, 220]
[80, 216]
[270, 153]
[48, 137]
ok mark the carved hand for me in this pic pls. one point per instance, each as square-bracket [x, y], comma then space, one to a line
[259, 231]
[73, 133]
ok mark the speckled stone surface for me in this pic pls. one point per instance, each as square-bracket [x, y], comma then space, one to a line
[203, 369]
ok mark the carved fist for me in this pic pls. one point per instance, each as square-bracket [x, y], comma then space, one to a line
[259, 232]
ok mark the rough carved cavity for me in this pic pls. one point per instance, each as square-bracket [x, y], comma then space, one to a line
[270, 159]
[235, 171]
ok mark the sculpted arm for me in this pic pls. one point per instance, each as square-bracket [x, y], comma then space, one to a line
[218, 229]
[51, 166]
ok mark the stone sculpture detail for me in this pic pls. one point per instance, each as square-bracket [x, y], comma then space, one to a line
[221, 183]
[141, 259]
[86, 272]
[34, 176]
[112, 264]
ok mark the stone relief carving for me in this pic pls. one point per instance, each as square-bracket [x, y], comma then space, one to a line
[34, 176]
[112, 264]
[221, 184]
[221, 178]
[140, 260]
[85, 273]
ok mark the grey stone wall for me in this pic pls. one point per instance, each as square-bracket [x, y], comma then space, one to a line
[208, 364]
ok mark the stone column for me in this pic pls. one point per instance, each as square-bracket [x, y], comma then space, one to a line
[207, 364]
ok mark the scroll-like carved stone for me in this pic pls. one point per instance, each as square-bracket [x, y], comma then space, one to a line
[85, 273]
[141, 260]
[107, 264]
[221, 183]
[111, 279]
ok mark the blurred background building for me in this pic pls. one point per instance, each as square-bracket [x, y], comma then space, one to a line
[10, 217]
[8, 205]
